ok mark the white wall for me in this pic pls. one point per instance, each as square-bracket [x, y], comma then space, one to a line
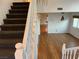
[55, 25]
[52, 5]
[67, 5]
[19, 0]
[4, 7]
[74, 31]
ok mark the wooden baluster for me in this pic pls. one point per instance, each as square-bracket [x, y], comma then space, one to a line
[78, 56]
[63, 51]
[71, 54]
[67, 54]
[64, 54]
[75, 50]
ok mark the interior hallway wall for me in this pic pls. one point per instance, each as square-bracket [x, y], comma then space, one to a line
[50, 6]
[55, 25]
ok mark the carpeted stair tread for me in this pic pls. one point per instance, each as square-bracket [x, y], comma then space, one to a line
[18, 11]
[7, 57]
[11, 34]
[16, 15]
[15, 21]
[13, 27]
[9, 41]
[7, 46]
[6, 52]
[20, 3]
[20, 7]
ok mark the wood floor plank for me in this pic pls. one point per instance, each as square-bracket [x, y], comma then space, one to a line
[50, 45]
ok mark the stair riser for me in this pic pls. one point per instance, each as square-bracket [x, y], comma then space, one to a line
[13, 28]
[14, 21]
[14, 11]
[25, 3]
[19, 7]
[16, 16]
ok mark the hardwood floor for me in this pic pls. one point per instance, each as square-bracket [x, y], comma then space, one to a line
[50, 45]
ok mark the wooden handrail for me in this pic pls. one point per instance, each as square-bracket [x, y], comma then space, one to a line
[27, 27]
[27, 0]
[29, 44]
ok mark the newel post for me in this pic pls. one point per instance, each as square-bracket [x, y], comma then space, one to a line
[63, 51]
[78, 57]
[64, 46]
[19, 51]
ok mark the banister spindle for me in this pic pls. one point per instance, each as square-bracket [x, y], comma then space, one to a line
[63, 55]
[67, 54]
[78, 56]
[63, 51]
[75, 50]
[71, 54]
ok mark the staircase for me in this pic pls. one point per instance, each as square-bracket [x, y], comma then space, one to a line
[13, 29]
